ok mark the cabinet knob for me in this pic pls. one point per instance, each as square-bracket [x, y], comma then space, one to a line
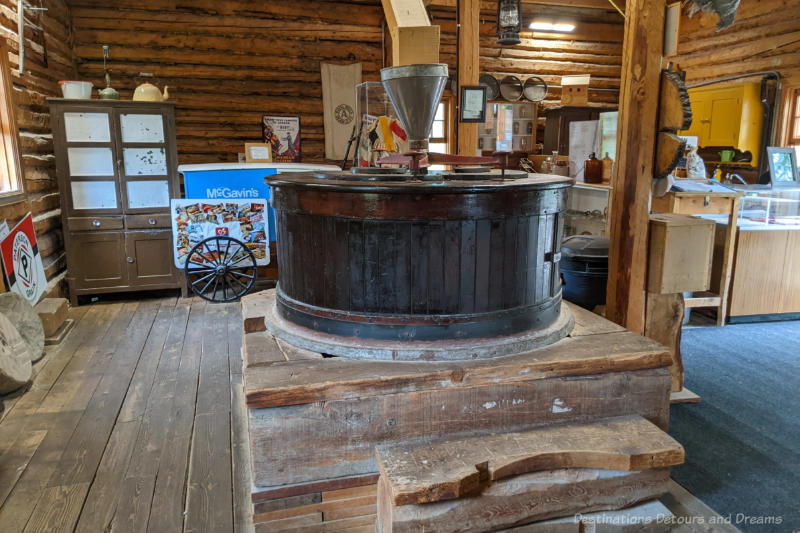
[129, 259]
[151, 221]
[96, 223]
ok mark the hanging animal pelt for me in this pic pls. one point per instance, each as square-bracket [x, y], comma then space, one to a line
[725, 10]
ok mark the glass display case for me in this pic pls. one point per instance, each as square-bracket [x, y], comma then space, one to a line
[509, 127]
[770, 209]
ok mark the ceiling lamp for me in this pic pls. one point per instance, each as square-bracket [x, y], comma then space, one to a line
[509, 17]
[546, 25]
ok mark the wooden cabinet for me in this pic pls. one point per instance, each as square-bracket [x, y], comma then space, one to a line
[729, 116]
[556, 129]
[117, 171]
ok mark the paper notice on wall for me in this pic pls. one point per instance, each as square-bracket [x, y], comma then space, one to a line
[339, 104]
[4, 230]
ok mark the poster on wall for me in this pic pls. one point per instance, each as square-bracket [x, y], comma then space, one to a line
[283, 134]
[22, 264]
[339, 104]
[244, 220]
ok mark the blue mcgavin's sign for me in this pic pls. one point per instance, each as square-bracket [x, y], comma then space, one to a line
[233, 182]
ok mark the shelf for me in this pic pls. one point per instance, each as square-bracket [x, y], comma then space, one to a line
[702, 299]
[597, 186]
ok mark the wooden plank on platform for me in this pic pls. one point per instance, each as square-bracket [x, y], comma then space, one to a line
[264, 494]
[260, 348]
[589, 323]
[430, 472]
[341, 378]
[684, 396]
[240, 459]
[525, 498]
[322, 507]
[353, 427]
[254, 309]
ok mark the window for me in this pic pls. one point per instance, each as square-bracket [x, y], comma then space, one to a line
[10, 176]
[792, 138]
[438, 141]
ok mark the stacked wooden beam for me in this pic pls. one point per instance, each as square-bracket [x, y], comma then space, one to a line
[485, 483]
[316, 421]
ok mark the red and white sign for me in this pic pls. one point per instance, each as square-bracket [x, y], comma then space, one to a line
[22, 264]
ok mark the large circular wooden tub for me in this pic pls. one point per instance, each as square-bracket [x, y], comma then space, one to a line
[388, 259]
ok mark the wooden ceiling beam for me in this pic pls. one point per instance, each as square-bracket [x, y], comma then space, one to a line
[584, 4]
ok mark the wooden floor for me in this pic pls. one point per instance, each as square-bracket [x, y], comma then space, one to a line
[128, 424]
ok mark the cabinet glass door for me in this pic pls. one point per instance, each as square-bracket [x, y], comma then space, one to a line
[93, 183]
[145, 160]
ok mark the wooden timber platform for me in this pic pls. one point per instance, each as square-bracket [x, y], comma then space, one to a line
[315, 420]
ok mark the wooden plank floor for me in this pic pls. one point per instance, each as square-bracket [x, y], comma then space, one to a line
[128, 424]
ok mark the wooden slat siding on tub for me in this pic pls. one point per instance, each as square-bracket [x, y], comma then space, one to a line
[342, 378]
[430, 472]
[277, 436]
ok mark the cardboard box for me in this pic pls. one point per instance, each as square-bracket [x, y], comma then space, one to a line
[575, 89]
[680, 253]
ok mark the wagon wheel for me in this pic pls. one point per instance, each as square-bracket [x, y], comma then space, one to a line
[220, 269]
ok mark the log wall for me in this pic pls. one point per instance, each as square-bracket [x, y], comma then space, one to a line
[230, 62]
[48, 59]
[595, 48]
[765, 36]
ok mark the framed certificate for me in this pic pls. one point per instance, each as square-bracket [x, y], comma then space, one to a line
[473, 104]
[258, 152]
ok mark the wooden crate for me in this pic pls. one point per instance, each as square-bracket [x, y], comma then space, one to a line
[680, 253]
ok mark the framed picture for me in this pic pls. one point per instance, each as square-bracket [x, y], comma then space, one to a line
[257, 153]
[473, 104]
[783, 166]
[283, 135]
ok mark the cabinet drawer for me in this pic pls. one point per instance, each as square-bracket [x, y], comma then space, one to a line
[160, 220]
[94, 223]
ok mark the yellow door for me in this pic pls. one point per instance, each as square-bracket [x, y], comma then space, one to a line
[726, 118]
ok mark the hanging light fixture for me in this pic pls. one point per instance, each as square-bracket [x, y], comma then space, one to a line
[509, 22]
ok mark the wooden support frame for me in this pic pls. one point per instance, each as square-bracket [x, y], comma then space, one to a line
[636, 141]
[468, 69]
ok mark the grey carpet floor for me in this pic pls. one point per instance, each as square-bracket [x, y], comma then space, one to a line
[743, 440]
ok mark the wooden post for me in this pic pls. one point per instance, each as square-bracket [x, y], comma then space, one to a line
[468, 69]
[636, 141]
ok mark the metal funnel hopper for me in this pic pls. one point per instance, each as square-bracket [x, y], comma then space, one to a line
[415, 91]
